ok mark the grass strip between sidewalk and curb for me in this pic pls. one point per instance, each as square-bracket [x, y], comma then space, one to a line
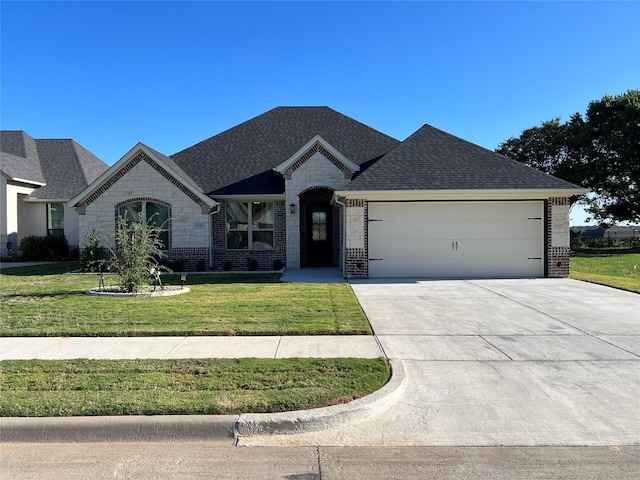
[50, 388]
[40, 301]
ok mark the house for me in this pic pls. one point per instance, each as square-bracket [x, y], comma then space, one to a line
[37, 178]
[616, 232]
[309, 186]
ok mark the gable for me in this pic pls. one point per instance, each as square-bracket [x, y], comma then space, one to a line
[142, 154]
[317, 145]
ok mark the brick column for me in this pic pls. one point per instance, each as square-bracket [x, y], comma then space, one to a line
[558, 244]
[356, 261]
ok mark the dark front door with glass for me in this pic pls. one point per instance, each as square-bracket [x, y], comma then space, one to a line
[319, 237]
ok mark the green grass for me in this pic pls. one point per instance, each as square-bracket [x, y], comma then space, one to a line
[41, 301]
[37, 388]
[615, 270]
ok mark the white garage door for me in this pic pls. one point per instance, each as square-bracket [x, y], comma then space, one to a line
[456, 239]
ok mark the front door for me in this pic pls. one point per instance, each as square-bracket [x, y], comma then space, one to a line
[319, 237]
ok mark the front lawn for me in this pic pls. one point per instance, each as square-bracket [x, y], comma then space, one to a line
[44, 388]
[615, 270]
[41, 301]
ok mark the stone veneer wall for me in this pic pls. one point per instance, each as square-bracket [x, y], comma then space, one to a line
[315, 171]
[356, 261]
[239, 258]
[557, 237]
[143, 179]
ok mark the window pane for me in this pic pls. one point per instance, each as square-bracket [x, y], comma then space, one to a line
[130, 211]
[237, 240]
[319, 226]
[158, 214]
[164, 238]
[237, 216]
[56, 216]
[262, 241]
[262, 215]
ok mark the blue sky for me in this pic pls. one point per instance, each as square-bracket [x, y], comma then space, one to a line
[170, 74]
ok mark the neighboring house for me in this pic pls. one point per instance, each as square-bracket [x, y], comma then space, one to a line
[37, 177]
[615, 232]
[308, 186]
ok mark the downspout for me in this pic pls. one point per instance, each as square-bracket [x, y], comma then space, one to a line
[344, 235]
[211, 214]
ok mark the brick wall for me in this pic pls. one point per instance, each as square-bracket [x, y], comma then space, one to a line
[239, 259]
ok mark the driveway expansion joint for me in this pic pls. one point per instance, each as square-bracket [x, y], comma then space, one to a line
[497, 348]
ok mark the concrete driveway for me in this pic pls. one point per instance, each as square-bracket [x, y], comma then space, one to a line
[501, 362]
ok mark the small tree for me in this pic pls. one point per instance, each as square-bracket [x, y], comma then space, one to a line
[138, 251]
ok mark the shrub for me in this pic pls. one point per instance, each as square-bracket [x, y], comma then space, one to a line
[634, 242]
[93, 255]
[277, 264]
[201, 266]
[577, 243]
[138, 252]
[177, 265]
[227, 266]
[51, 248]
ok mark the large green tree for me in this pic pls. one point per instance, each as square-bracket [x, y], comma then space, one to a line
[600, 151]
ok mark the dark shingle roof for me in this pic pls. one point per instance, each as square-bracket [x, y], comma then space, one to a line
[19, 156]
[431, 159]
[241, 159]
[173, 165]
[62, 164]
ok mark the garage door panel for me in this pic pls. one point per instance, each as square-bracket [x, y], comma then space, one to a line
[409, 251]
[464, 211]
[499, 248]
[391, 229]
[456, 239]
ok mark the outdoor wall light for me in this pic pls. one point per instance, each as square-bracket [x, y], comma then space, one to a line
[183, 278]
[292, 208]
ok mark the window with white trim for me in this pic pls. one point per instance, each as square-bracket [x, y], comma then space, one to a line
[55, 219]
[250, 225]
[156, 214]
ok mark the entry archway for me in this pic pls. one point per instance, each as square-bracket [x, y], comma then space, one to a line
[317, 228]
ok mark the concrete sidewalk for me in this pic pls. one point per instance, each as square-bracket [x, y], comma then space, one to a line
[64, 348]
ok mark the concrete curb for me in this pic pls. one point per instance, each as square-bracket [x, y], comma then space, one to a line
[289, 423]
[197, 428]
[161, 428]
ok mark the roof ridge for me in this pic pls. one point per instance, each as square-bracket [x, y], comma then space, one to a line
[78, 162]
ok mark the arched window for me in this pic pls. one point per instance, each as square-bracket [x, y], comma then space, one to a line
[154, 213]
